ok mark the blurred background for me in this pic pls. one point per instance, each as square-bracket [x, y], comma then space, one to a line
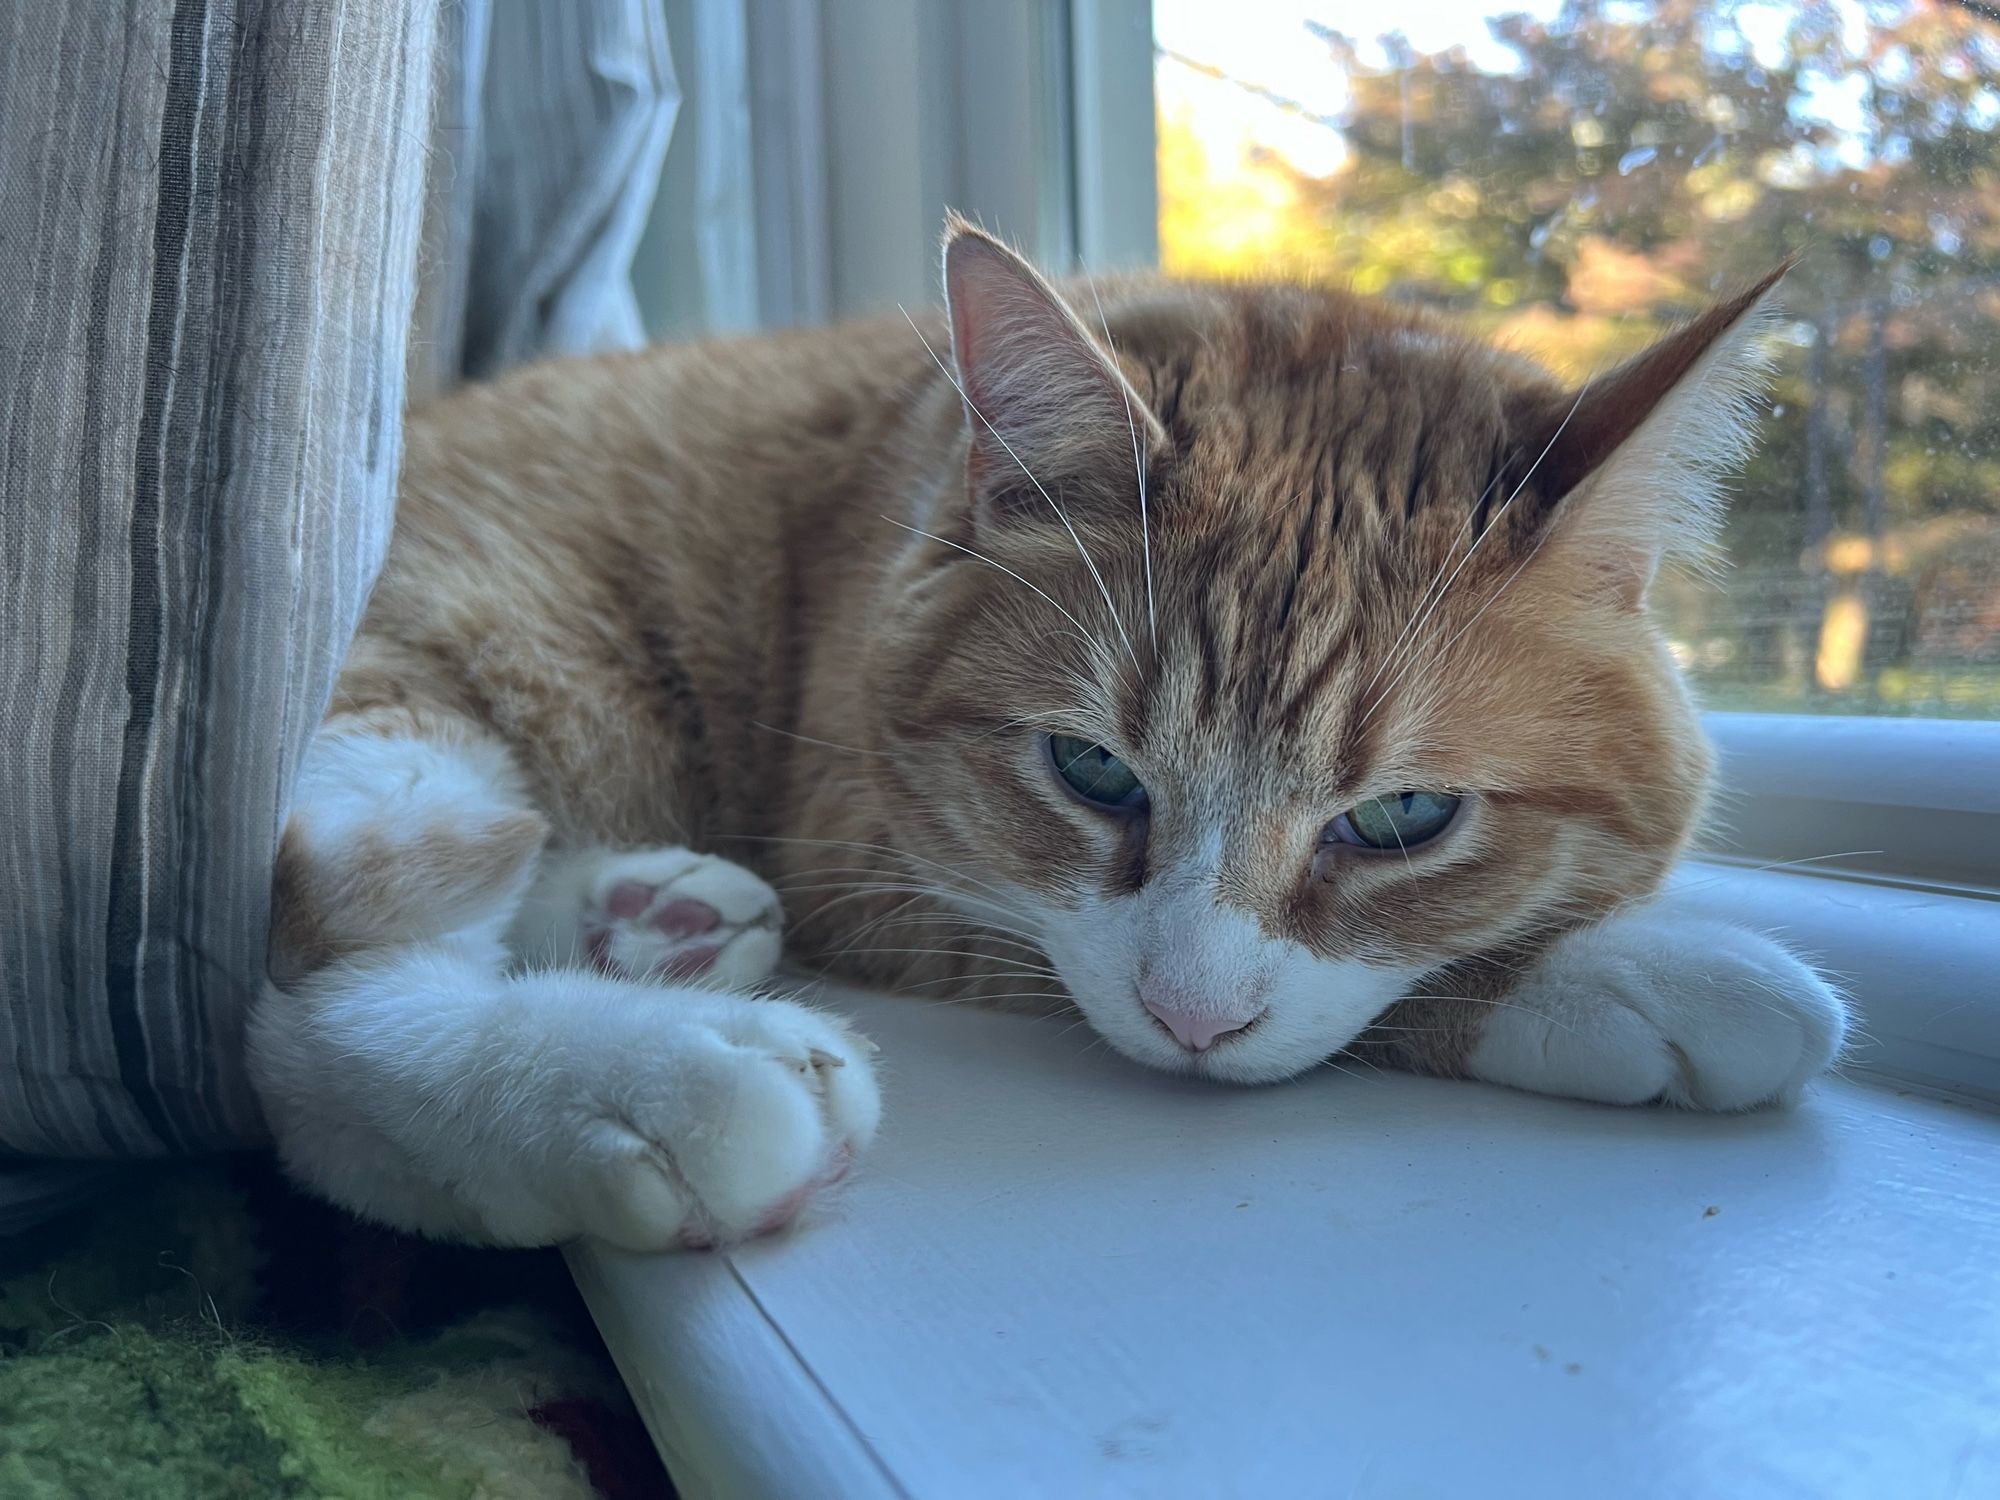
[1569, 177]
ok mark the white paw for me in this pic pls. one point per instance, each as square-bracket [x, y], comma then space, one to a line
[1647, 1008]
[723, 1125]
[674, 914]
[594, 1110]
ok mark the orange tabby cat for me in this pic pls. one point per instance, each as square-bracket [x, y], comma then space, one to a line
[1261, 670]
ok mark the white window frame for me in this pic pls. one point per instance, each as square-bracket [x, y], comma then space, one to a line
[785, 201]
[1872, 844]
[1913, 802]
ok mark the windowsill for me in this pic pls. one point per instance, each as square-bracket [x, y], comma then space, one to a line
[1059, 1274]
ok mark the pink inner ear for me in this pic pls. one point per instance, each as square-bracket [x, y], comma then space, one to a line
[1043, 396]
[996, 304]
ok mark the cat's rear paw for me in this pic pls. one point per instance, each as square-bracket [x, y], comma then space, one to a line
[673, 914]
[1653, 1008]
[757, 1107]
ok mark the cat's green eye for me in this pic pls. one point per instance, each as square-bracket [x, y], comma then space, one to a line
[1400, 821]
[1094, 775]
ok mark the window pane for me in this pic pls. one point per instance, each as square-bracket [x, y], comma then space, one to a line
[1574, 177]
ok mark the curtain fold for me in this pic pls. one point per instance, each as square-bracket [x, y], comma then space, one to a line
[552, 126]
[239, 234]
[211, 212]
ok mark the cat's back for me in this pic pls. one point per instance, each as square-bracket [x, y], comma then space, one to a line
[605, 553]
[666, 425]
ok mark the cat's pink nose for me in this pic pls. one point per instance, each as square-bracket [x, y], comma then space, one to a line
[1197, 1033]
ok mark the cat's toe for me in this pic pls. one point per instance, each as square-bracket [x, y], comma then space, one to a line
[1755, 1027]
[767, 1106]
[1647, 1009]
[676, 915]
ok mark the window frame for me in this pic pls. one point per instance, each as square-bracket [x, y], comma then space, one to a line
[1873, 846]
[786, 201]
[1910, 802]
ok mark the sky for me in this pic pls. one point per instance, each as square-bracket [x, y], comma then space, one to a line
[1266, 43]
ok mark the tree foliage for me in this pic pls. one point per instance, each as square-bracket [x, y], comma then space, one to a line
[1642, 157]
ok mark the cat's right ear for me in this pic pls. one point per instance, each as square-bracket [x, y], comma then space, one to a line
[1635, 462]
[1052, 420]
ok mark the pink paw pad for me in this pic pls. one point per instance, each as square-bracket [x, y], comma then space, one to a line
[674, 916]
[677, 919]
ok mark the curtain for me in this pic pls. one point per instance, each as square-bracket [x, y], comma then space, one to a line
[239, 235]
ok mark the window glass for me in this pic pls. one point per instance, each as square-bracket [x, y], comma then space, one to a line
[1575, 177]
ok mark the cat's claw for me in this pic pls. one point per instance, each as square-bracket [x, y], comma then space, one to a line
[801, 1103]
[676, 915]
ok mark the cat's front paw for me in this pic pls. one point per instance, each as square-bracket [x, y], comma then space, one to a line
[1651, 1008]
[720, 1125]
[671, 913]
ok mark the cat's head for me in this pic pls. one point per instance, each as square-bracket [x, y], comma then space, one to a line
[1283, 647]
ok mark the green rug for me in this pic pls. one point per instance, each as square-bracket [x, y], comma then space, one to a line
[204, 1331]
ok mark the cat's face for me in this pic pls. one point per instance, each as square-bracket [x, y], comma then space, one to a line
[1366, 689]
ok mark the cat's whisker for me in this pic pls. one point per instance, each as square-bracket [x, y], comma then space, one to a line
[864, 846]
[1340, 1067]
[807, 739]
[984, 999]
[985, 932]
[1002, 567]
[957, 953]
[857, 889]
[1095, 1042]
[870, 928]
[1138, 466]
[1776, 864]
[976, 930]
[1401, 846]
[1079, 1021]
[972, 994]
[1487, 530]
[897, 917]
[1505, 584]
[1061, 515]
[982, 977]
[865, 893]
[1027, 721]
[884, 886]
[1084, 685]
[1499, 1005]
[1390, 656]
[804, 882]
[983, 929]
[851, 892]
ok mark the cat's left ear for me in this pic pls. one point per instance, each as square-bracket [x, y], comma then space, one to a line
[1047, 409]
[1635, 465]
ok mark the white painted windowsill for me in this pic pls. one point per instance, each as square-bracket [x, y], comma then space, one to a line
[1057, 1274]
